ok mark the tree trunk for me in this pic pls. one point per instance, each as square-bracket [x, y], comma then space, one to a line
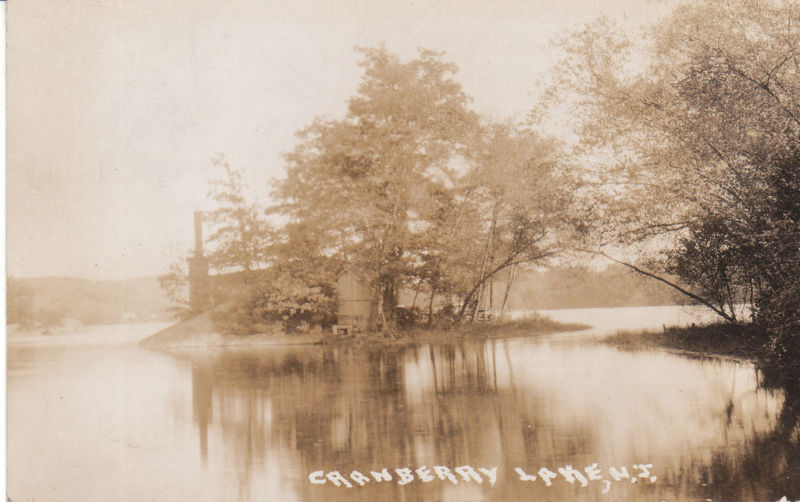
[381, 316]
[430, 307]
[717, 310]
[486, 254]
[512, 272]
[416, 293]
[476, 287]
[387, 299]
[491, 294]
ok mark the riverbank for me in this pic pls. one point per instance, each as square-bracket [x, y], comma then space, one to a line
[534, 325]
[715, 339]
[200, 332]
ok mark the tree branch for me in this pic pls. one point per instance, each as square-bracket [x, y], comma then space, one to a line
[693, 296]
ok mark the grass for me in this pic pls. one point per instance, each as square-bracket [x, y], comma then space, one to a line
[529, 326]
[735, 340]
[201, 331]
[533, 325]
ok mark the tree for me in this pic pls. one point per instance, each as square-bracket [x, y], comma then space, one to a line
[413, 188]
[520, 195]
[357, 181]
[290, 295]
[240, 234]
[240, 239]
[701, 148]
[175, 284]
[511, 207]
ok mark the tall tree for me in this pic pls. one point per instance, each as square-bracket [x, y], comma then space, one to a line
[521, 192]
[240, 235]
[701, 145]
[357, 181]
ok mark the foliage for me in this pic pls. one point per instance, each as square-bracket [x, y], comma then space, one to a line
[358, 181]
[519, 187]
[175, 284]
[240, 235]
[296, 299]
[702, 149]
[716, 338]
[708, 265]
[510, 207]
[23, 309]
[410, 186]
[239, 239]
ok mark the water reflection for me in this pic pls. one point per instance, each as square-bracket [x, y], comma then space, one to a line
[705, 425]
[96, 421]
[766, 467]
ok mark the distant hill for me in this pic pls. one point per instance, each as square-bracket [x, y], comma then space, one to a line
[54, 300]
[570, 287]
[581, 287]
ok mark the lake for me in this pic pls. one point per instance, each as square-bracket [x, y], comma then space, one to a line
[93, 417]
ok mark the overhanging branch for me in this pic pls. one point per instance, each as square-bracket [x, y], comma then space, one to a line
[691, 295]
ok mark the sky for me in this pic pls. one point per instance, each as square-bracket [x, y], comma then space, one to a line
[116, 108]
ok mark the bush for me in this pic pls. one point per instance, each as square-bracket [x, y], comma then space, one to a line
[781, 319]
[292, 301]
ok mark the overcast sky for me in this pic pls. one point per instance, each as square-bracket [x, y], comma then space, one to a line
[115, 108]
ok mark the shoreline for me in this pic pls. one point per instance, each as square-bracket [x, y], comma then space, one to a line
[200, 332]
[718, 339]
[520, 328]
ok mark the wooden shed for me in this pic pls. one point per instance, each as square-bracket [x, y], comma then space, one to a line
[355, 301]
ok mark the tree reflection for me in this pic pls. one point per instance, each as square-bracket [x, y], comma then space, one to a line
[768, 467]
[346, 409]
[302, 409]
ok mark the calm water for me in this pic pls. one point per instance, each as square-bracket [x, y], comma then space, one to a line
[93, 417]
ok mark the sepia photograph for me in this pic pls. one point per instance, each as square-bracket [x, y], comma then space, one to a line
[417, 251]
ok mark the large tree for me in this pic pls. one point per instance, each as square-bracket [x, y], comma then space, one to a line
[519, 189]
[357, 182]
[700, 148]
[411, 186]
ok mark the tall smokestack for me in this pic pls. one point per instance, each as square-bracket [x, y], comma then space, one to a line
[199, 286]
[198, 233]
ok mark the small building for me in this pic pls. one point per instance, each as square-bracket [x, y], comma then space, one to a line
[355, 302]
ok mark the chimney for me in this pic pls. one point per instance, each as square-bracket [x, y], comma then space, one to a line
[199, 286]
[198, 233]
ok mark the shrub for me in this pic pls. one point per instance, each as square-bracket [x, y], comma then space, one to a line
[295, 301]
